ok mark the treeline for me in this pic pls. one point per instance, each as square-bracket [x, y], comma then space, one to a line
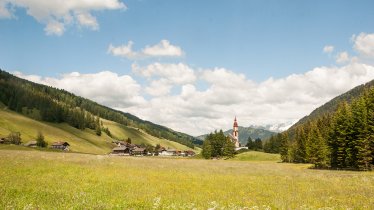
[55, 105]
[343, 139]
[217, 145]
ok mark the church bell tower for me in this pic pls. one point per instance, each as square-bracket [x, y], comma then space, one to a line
[235, 133]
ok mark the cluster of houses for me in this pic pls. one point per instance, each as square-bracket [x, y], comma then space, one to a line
[124, 148]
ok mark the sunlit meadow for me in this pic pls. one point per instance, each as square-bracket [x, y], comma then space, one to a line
[46, 180]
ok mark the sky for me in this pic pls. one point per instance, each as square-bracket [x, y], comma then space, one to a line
[193, 65]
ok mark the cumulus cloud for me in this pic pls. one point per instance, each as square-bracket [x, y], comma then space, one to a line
[342, 57]
[162, 49]
[175, 73]
[57, 14]
[104, 87]
[328, 49]
[271, 102]
[364, 44]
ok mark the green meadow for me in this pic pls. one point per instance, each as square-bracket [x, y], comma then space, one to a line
[32, 179]
[84, 141]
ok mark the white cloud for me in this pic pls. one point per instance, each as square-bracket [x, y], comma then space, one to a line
[54, 28]
[174, 73]
[87, 20]
[328, 49]
[57, 14]
[105, 87]
[271, 102]
[162, 49]
[123, 50]
[342, 57]
[364, 44]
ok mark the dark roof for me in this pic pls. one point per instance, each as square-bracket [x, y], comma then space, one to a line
[120, 148]
[60, 143]
[139, 150]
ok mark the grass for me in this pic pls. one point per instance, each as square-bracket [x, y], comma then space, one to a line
[46, 180]
[138, 136]
[85, 141]
[257, 156]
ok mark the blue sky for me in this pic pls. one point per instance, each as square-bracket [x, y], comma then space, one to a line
[252, 41]
[258, 38]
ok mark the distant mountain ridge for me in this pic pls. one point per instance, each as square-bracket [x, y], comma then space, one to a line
[245, 132]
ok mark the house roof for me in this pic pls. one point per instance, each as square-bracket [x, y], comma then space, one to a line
[60, 143]
[139, 150]
[120, 148]
[30, 143]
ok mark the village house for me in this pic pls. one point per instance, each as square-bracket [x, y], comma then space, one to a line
[168, 152]
[189, 153]
[30, 144]
[62, 145]
[139, 151]
[121, 151]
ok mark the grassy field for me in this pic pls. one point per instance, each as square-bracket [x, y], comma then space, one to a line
[46, 180]
[257, 156]
[85, 141]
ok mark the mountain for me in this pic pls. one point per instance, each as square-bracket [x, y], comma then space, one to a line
[50, 105]
[332, 105]
[245, 132]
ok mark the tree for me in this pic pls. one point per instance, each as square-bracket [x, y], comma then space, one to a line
[15, 138]
[250, 144]
[300, 150]
[284, 147]
[258, 144]
[97, 126]
[157, 148]
[317, 149]
[207, 149]
[40, 142]
[128, 140]
[229, 148]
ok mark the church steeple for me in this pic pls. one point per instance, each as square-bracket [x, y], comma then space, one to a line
[235, 133]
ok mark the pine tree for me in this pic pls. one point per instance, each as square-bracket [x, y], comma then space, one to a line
[340, 136]
[317, 149]
[207, 149]
[300, 150]
[229, 148]
[40, 142]
[284, 147]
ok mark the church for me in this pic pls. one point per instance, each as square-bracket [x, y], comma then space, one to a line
[235, 136]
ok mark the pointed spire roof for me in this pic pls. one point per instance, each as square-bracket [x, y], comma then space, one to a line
[235, 122]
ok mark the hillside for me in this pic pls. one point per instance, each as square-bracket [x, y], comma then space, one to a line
[245, 132]
[85, 141]
[53, 105]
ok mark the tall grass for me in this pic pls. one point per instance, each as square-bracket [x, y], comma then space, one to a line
[45, 180]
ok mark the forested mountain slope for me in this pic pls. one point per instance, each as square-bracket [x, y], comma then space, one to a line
[85, 141]
[339, 134]
[53, 105]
